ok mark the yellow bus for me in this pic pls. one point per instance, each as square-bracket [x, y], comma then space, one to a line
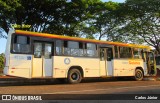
[41, 55]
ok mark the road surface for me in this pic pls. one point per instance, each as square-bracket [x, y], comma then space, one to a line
[93, 89]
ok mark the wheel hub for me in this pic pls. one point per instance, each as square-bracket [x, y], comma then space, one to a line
[138, 75]
[75, 76]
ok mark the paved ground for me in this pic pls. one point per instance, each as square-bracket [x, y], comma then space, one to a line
[108, 87]
[89, 89]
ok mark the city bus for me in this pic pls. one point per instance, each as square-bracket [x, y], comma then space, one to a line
[42, 55]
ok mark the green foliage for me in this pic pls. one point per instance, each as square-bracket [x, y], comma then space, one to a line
[143, 21]
[7, 13]
[135, 21]
[105, 20]
[1, 61]
[57, 16]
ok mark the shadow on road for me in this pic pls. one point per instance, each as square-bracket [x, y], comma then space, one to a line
[22, 81]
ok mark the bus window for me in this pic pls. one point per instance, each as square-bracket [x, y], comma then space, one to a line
[58, 47]
[66, 49]
[37, 50]
[116, 51]
[157, 60]
[109, 54]
[48, 51]
[125, 52]
[81, 52]
[102, 51]
[137, 53]
[91, 50]
[21, 44]
[151, 55]
[73, 48]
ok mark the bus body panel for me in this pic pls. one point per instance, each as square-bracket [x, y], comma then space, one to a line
[20, 65]
[37, 67]
[42, 67]
[126, 67]
[103, 70]
[90, 66]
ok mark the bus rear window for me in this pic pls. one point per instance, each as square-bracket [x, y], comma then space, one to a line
[21, 44]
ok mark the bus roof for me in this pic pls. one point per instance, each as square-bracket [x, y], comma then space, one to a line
[46, 35]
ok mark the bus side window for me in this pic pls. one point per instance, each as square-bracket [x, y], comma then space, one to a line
[21, 44]
[81, 51]
[102, 54]
[137, 53]
[48, 51]
[116, 51]
[37, 50]
[73, 48]
[157, 60]
[59, 47]
[91, 50]
[125, 52]
[109, 54]
[66, 49]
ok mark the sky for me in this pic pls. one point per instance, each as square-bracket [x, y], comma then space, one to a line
[3, 44]
[3, 41]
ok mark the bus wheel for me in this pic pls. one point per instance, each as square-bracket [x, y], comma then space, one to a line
[74, 76]
[138, 75]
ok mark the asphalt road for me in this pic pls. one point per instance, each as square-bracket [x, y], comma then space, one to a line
[93, 89]
[108, 87]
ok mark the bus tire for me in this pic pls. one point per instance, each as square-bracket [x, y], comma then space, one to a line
[74, 76]
[138, 75]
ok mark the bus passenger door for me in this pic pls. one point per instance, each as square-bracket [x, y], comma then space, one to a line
[109, 61]
[151, 64]
[106, 56]
[103, 63]
[47, 60]
[42, 60]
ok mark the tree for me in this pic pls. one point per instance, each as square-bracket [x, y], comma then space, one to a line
[1, 61]
[143, 21]
[51, 16]
[104, 22]
[133, 21]
[32, 12]
[74, 17]
[7, 12]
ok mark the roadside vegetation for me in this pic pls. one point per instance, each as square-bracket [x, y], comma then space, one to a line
[134, 21]
[1, 63]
